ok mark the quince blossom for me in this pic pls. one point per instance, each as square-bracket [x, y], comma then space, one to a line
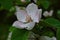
[28, 17]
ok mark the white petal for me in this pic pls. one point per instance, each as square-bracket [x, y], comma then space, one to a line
[46, 13]
[54, 38]
[40, 12]
[38, 16]
[30, 25]
[21, 15]
[9, 36]
[32, 10]
[45, 38]
[22, 25]
[51, 13]
[19, 24]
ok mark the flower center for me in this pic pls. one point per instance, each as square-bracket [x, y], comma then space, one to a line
[28, 18]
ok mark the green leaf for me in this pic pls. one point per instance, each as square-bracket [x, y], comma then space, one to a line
[44, 3]
[1, 8]
[12, 28]
[51, 22]
[28, 0]
[37, 28]
[4, 31]
[58, 14]
[18, 2]
[12, 9]
[19, 34]
[47, 33]
[58, 34]
[7, 4]
[11, 12]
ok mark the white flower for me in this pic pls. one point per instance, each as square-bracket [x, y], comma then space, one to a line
[28, 17]
[47, 38]
[46, 13]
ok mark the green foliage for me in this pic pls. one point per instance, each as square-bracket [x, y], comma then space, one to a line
[44, 3]
[37, 28]
[4, 31]
[19, 34]
[43, 30]
[1, 8]
[47, 33]
[58, 34]
[58, 14]
[11, 12]
[28, 0]
[7, 4]
[52, 22]
[18, 2]
[12, 9]
[58, 29]
[12, 29]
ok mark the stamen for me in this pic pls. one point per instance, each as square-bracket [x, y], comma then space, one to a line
[28, 19]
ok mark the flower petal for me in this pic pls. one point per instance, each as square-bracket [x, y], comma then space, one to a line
[46, 13]
[45, 38]
[54, 38]
[51, 13]
[30, 25]
[19, 24]
[22, 25]
[21, 15]
[32, 10]
[9, 36]
[40, 12]
[38, 16]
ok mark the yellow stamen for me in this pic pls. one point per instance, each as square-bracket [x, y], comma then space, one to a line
[28, 19]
